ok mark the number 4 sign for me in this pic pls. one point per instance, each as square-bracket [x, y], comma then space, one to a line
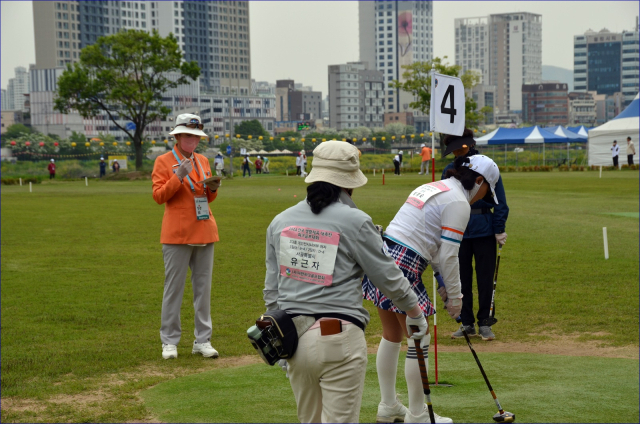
[447, 104]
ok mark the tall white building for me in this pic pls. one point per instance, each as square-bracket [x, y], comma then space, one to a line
[506, 49]
[17, 87]
[356, 96]
[4, 99]
[392, 34]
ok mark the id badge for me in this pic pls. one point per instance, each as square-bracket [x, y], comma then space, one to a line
[202, 207]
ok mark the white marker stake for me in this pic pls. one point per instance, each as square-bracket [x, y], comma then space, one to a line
[86, 181]
[287, 172]
[30, 188]
[606, 243]
[20, 182]
[374, 172]
[600, 171]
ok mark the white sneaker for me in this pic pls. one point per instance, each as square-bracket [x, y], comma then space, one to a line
[169, 351]
[391, 414]
[424, 417]
[419, 173]
[205, 349]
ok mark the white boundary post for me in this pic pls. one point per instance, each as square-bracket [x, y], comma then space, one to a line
[374, 172]
[30, 187]
[20, 182]
[600, 171]
[606, 242]
[86, 182]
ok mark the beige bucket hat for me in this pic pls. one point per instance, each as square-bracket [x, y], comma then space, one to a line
[337, 163]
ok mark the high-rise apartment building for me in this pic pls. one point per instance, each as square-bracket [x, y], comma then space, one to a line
[607, 63]
[506, 49]
[17, 88]
[545, 104]
[215, 34]
[356, 96]
[392, 34]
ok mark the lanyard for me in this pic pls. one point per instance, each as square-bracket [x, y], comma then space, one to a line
[189, 179]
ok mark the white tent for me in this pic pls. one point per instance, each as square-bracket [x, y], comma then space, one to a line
[627, 124]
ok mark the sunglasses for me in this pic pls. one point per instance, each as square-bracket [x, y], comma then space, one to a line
[193, 126]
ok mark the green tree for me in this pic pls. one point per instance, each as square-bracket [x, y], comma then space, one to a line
[124, 75]
[15, 131]
[418, 82]
[253, 128]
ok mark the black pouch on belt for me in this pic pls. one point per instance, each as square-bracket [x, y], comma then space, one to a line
[281, 335]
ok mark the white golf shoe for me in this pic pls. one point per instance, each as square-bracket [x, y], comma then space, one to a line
[391, 414]
[424, 417]
[169, 351]
[205, 349]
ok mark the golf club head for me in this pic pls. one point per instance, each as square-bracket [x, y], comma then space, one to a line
[490, 321]
[507, 417]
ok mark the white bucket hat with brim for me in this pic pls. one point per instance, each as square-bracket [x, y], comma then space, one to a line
[337, 163]
[188, 123]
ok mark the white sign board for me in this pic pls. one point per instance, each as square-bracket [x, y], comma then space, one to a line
[243, 151]
[447, 104]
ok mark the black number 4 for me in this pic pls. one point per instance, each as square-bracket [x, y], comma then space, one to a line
[451, 111]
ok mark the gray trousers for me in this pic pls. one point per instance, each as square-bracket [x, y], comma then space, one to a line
[424, 165]
[177, 258]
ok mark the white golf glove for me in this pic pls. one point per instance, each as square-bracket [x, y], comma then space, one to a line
[501, 238]
[184, 169]
[454, 307]
[285, 366]
[421, 323]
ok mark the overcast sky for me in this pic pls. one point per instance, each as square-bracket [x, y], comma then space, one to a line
[299, 39]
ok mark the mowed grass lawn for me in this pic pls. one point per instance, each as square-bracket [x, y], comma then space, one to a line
[82, 277]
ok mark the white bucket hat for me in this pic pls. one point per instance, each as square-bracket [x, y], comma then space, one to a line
[337, 163]
[52, 160]
[486, 167]
[188, 123]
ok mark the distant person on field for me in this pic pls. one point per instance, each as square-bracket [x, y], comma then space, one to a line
[52, 169]
[486, 227]
[426, 158]
[245, 166]
[218, 164]
[258, 165]
[631, 150]
[299, 164]
[396, 165]
[115, 166]
[304, 163]
[103, 168]
[189, 232]
[265, 166]
[400, 157]
[615, 151]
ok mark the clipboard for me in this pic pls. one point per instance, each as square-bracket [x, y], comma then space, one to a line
[210, 179]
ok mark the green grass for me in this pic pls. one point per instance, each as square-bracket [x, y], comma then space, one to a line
[536, 388]
[82, 274]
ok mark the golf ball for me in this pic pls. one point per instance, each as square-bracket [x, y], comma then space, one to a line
[295, 195]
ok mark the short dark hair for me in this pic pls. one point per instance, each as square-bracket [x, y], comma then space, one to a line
[628, 138]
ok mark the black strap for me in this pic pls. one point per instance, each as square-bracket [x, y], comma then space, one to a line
[351, 319]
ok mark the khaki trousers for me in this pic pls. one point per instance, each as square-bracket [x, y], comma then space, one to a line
[327, 375]
[178, 258]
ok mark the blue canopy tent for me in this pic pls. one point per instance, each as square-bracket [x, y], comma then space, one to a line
[528, 135]
[571, 136]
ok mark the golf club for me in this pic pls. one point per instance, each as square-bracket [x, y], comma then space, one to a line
[423, 374]
[502, 416]
[492, 311]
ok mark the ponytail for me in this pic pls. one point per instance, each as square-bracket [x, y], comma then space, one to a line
[321, 194]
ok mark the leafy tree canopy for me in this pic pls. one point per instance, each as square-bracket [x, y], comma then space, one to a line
[124, 76]
[253, 128]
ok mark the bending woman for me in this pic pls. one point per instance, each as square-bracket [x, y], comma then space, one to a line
[426, 230]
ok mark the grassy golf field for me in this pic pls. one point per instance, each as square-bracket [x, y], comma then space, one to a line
[82, 278]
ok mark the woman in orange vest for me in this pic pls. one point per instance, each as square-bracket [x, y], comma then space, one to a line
[188, 234]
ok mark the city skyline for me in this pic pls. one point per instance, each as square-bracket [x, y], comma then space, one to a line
[305, 56]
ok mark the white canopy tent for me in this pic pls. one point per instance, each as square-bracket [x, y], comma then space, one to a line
[627, 124]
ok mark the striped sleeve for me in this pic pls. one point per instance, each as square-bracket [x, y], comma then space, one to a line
[451, 235]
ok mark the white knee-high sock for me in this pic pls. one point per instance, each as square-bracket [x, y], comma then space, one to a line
[387, 367]
[412, 375]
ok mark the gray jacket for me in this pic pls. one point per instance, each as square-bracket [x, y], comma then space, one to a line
[359, 251]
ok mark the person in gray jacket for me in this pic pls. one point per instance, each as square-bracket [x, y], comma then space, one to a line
[317, 252]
